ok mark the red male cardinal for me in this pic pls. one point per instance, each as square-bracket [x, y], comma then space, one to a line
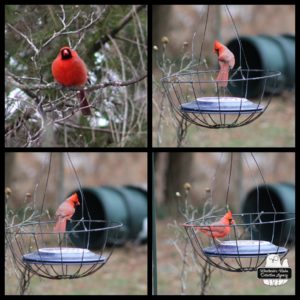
[65, 212]
[217, 229]
[69, 69]
[226, 61]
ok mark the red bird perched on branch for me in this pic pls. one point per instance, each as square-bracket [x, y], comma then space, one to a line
[69, 70]
[226, 61]
[65, 212]
[217, 229]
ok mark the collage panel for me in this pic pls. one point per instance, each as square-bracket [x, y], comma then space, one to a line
[76, 76]
[223, 75]
[224, 223]
[76, 223]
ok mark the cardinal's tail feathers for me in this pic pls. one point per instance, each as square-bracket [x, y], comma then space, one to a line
[223, 77]
[60, 225]
[84, 105]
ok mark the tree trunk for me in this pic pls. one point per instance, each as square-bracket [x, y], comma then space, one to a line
[9, 168]
[160, 17]
[178, 172]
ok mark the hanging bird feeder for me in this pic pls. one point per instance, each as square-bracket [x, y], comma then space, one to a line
[197, 97]
[72, 253]
[54, 255]
[243, 246]
[204, 98]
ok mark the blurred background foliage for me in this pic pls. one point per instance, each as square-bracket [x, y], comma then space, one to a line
[211, 171]
[23, 171]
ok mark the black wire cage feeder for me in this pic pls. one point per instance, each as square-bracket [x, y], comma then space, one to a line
[80, 250]
[245, 241]
[200, 99]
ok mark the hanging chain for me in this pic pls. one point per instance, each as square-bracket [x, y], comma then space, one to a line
[204, 33]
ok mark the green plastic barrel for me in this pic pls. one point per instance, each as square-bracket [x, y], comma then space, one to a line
[283, 199]
[269, 53]
[124, 204]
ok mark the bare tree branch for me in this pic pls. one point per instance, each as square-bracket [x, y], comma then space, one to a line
[63, 31]
[104, 39]
[25, 37]
[56, 86]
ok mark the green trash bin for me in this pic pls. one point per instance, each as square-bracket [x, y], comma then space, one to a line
[283, 199]
[269, 53]
[124, 204]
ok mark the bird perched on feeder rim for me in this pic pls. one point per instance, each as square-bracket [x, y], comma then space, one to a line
[219, 229]
[65, 212]
[226, 60]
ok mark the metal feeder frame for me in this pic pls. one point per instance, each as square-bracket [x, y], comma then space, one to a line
[37, 248]
[198, 98]
[247, 254]
[252, 237]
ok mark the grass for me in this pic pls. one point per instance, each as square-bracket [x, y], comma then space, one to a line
[275, 128]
